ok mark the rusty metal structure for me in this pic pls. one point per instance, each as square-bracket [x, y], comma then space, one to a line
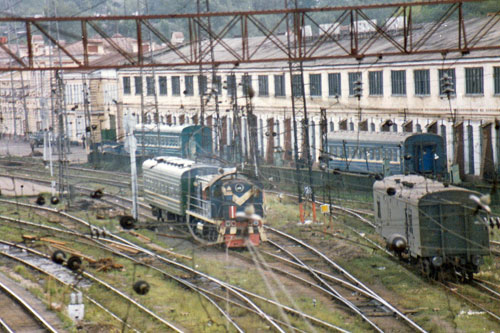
[241, 51]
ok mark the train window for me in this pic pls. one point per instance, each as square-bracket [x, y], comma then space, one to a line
[388, 154]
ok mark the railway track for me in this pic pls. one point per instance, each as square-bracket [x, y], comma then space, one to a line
[240, 293]
[482, 288]
[359, 214]
[18, 315]
[296, 248]
[68, 283]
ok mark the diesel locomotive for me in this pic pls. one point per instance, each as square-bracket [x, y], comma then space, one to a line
[218, 206]
[439, 227]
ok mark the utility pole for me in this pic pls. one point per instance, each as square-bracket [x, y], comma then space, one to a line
[325, 161]
[252, 132]
[88, 120]
[129, 126]
[202, 84]
[298, 99]
[155, 94]
[216, 84]
[236, 142]
[63, 185]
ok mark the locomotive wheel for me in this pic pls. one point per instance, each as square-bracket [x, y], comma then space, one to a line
[193, 227]
[425, 267]
[212, 234]
[207, 237]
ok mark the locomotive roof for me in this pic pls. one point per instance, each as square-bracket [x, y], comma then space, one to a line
[177, 129]
[412, 188]
[175, 166]
[363, 136]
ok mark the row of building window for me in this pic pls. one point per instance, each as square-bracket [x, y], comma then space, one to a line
[474, 83]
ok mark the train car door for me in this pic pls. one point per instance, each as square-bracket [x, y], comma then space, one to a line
[424, 158]
[409, 226]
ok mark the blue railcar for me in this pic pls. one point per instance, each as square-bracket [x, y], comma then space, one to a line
[387, 152]
[186, 141]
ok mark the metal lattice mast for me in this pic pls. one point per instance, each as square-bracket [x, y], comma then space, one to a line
[296, 52]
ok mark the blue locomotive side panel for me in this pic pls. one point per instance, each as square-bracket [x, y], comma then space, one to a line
[185, 141]
[387, 152]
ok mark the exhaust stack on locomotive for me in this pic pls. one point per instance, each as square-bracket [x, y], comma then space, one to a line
[219, 206]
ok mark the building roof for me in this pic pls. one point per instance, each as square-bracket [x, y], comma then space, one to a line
[439, 40]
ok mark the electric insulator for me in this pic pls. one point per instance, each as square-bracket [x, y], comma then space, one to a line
[58, 257]
[74, 263]
[141, 287]
[54, 200]
[127, 222]
[40, 201]
[391, 191]
[96, 194]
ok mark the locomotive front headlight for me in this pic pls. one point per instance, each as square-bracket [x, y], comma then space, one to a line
[477, 260]
[437, 261]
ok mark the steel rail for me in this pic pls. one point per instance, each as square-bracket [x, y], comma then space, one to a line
[38, 317]
[6, 327]
[111, 182]
[496, 294]
[116, 252]
[137, 304]
[26, 263]
[482, 308]
[344, 283]
[332, 291]
[350, 277]
[243, 291]
[108, 286]
[261, 313]
[478, 283]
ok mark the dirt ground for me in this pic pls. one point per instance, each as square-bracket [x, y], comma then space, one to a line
[14, 187]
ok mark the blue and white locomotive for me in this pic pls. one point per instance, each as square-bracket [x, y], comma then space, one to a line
[219, 206]
[387, 152]
[186, 141]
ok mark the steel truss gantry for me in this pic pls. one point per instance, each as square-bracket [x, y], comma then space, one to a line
[192, 53]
